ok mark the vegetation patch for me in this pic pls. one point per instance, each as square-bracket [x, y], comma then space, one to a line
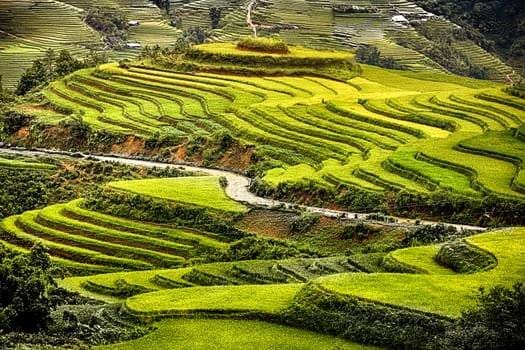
[205, 191]
[261, 44]
[213, 300]
[232, 334]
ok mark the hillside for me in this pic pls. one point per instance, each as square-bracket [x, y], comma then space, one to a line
[147, 247]
[309, 122]
[28, 28]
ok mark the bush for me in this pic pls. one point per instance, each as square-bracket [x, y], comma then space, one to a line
[304, 222]
[269, 45]
[463, 258]
[425, 234]
[359, 231]
[253, 248]
[24, 285]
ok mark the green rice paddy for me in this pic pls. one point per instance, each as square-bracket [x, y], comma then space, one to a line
[201, 190]
[200, 334]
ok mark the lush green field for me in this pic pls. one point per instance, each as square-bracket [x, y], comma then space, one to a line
[19, 164]
[202, 191]
[445, 294]
[231, 334]
[214, 299]
[84, 241]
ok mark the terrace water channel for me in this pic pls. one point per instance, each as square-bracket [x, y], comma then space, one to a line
[237, 188]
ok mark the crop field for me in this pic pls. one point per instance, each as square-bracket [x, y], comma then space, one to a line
[433, 289]
[86, 242]
[35, 26]
[382, 130]
[22, 164]
[232, 334]
[200, 190]
[445, 294]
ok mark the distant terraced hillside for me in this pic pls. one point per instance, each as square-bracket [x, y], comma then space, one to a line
[29, 27]
[319, 24]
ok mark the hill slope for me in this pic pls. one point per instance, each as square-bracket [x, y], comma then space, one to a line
[29, 27]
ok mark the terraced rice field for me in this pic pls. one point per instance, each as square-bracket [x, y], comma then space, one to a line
[204, 191]
[232, 334]
[84, 241]
[380, 131]
[438, 292]
[32, 27]
[434, 289]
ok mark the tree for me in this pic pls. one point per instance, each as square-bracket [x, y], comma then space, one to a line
[215, 16]
[5, 95]
[497, 323]
[368, 55]
[190, 36]
[33, 77]
[25, 284]
[66, 64]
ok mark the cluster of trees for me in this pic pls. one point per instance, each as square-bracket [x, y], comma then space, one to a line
[371, 55]
[25, 286]
[107, 21]
[54, 66]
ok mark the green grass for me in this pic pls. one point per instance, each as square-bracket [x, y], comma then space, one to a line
[201, 334]
[439, 293]
[20, 164]
[422, 258]
[198, 190]
[295, 52]
[215, 299]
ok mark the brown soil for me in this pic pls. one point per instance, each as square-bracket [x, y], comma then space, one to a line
[23, 133]
[132, 145]
[267, 223]
[181, 153]
[237, 157]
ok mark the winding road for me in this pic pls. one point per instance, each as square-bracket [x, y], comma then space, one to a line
[237, 187]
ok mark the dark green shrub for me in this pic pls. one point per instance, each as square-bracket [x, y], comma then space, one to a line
[464, 258]
[498, 322]
[359, 231]
[24, 285]
[362, 322]
[270, 45]
[304, 222]
[425, 234]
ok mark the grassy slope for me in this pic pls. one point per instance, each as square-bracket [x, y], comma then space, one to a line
[214, 299]
[439, 293]
[231, 334]
[203, 191]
